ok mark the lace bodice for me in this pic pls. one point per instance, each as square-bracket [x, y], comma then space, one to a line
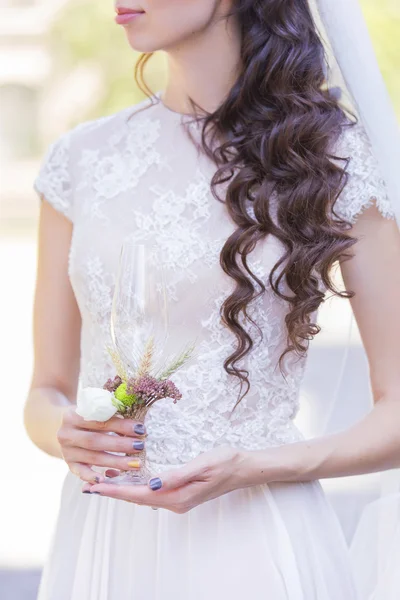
[136, 173]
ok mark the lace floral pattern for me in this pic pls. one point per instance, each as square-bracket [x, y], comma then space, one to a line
[53, 180]
[365, 185]
[106, 176]
[136, 174]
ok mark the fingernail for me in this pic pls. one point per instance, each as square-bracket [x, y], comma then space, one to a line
[110, 473]
[138, 445]
[95, 493]
[135, 464]
[155, 483]
[97, 479]
[139, 428]
[85, 491]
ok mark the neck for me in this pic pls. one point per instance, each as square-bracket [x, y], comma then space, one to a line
[203, 67]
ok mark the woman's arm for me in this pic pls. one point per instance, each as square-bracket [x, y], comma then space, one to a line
[56, 334]
[373, 444]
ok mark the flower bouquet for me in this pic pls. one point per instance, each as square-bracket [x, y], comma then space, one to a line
[131, 397]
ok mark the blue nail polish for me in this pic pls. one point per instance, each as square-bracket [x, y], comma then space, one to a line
[139, 428]
[138, 445]
[155, 483]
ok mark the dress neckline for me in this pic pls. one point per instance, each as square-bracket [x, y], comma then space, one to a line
[159, 96]
[188, 118]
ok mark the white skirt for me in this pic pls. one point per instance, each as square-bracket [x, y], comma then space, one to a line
[280, 541]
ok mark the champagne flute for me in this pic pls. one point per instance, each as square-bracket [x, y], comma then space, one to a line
[139, 331]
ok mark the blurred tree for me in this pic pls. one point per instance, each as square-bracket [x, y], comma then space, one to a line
[85, 35]
[383, 20]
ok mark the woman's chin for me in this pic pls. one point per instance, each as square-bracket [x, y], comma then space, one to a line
[142, 43]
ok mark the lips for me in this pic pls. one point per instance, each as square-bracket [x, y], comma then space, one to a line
[127, 15]
[122, 10]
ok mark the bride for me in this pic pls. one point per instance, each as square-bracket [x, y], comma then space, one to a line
[241, 511]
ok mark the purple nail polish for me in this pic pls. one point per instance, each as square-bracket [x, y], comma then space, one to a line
[138, 445]
[155, 483]
[139, 428]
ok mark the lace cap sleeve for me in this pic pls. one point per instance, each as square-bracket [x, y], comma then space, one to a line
[365, 185]
[53, 181]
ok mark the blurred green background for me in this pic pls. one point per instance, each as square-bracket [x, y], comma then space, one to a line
[77, 41]
[63, 62]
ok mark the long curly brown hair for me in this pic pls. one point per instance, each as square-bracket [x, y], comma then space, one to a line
[275, 132]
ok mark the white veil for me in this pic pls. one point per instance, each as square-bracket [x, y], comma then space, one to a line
[368, 506]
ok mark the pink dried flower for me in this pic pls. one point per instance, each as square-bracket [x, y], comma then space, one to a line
[112, 384]
[147, 386]
[149, 389]
[170, 390]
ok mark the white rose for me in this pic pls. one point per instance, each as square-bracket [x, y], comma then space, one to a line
[95, 404]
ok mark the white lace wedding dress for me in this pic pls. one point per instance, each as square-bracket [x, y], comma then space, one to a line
[136, 173]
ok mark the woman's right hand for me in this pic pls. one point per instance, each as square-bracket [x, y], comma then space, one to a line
[87, 443]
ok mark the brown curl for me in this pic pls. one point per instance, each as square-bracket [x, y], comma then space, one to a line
[272, 136]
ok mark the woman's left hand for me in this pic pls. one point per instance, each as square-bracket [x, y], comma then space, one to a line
[208, 476]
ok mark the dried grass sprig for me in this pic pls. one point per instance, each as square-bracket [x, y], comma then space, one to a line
[177, 362]
[146, 360]
[118, 364]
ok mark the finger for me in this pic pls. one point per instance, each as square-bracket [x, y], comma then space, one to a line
[85, 473]
[101, 459]
[173, 479]
[86, 488]
[178, 501]
[174, 500]
[119, 425]
[138, 494]
[100, 441]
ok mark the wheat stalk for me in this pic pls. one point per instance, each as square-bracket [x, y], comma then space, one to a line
[145, 363]
[118, 364]
[177, 363]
